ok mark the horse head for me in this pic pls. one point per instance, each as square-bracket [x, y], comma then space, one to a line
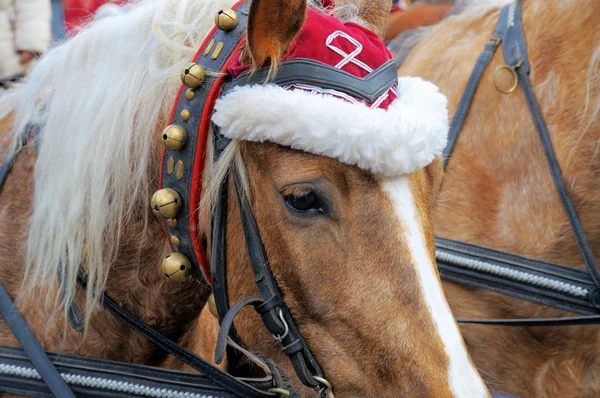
[342, 191]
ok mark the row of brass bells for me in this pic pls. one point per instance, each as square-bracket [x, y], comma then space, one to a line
[176, 267]
[226, 20]
[166, 203]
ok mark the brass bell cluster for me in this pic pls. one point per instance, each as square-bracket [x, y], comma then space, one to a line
[166, 203]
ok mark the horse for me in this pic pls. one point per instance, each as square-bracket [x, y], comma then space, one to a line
[346, 225]
[417, 16]
[497, 191]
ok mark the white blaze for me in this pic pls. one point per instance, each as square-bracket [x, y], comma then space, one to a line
[464, 380]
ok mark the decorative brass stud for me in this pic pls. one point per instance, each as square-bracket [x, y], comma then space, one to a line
[174, 137]
[190, 94]
[175, 241]
[166, 203]
[193, 75]
[179, 170]
[208, 48]
[185, 115]
[176, 267]
[212, 306]
[226, 20]
[172, 223]
[170, 165]
[217, 51]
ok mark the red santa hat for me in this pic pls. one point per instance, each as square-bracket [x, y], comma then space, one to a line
[400, 132]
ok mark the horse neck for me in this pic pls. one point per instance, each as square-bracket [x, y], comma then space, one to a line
[137, 283]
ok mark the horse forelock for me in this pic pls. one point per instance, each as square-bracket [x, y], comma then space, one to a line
[100, 100]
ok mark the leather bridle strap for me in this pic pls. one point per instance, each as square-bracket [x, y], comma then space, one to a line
[314, 73]
[223, 379]
[270, 306]
[537, 281]
[17, 324]
[274, 312]
[464, 105]
[94, 378]
[539, 322]
[32, 347]
[557, 176]
[514, 50]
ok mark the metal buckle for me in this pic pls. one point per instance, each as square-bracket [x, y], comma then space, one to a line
[496, 40]
[286, 328]
[326, 390]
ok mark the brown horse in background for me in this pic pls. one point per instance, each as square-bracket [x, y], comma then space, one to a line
[497, 191]
[361, 285]
[417, 16]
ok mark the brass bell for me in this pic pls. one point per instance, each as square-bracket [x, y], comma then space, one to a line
[176, 267]
[174, 137]
[226, 20]
[212, 306]
[166, 203]
[193, 75]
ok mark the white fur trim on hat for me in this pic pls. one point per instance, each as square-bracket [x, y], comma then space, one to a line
[400, 140]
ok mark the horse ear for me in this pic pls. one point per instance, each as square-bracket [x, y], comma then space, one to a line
[272, 26]
[372, 14]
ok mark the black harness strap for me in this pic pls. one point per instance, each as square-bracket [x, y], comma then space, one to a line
[274, 312]
[32, 347]
[19, 327]
[221, 378]
[533, 280]
[73, 312]
[538, 322]
[108, 379]
[557, 176]
[466, 100]
[315, 73]
[270, 305]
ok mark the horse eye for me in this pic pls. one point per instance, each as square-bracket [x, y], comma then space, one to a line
[304, 201]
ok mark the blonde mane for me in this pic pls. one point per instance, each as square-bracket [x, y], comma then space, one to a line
[100, 100]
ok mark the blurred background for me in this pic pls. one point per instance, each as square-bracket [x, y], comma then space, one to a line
[29, 27]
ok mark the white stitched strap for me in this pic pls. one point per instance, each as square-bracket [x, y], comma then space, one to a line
[520, 276]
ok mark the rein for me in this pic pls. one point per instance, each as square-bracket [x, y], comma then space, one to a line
[533, 280]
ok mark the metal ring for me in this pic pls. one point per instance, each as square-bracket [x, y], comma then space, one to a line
[513, 71]
[286, 328]
[327, 390]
